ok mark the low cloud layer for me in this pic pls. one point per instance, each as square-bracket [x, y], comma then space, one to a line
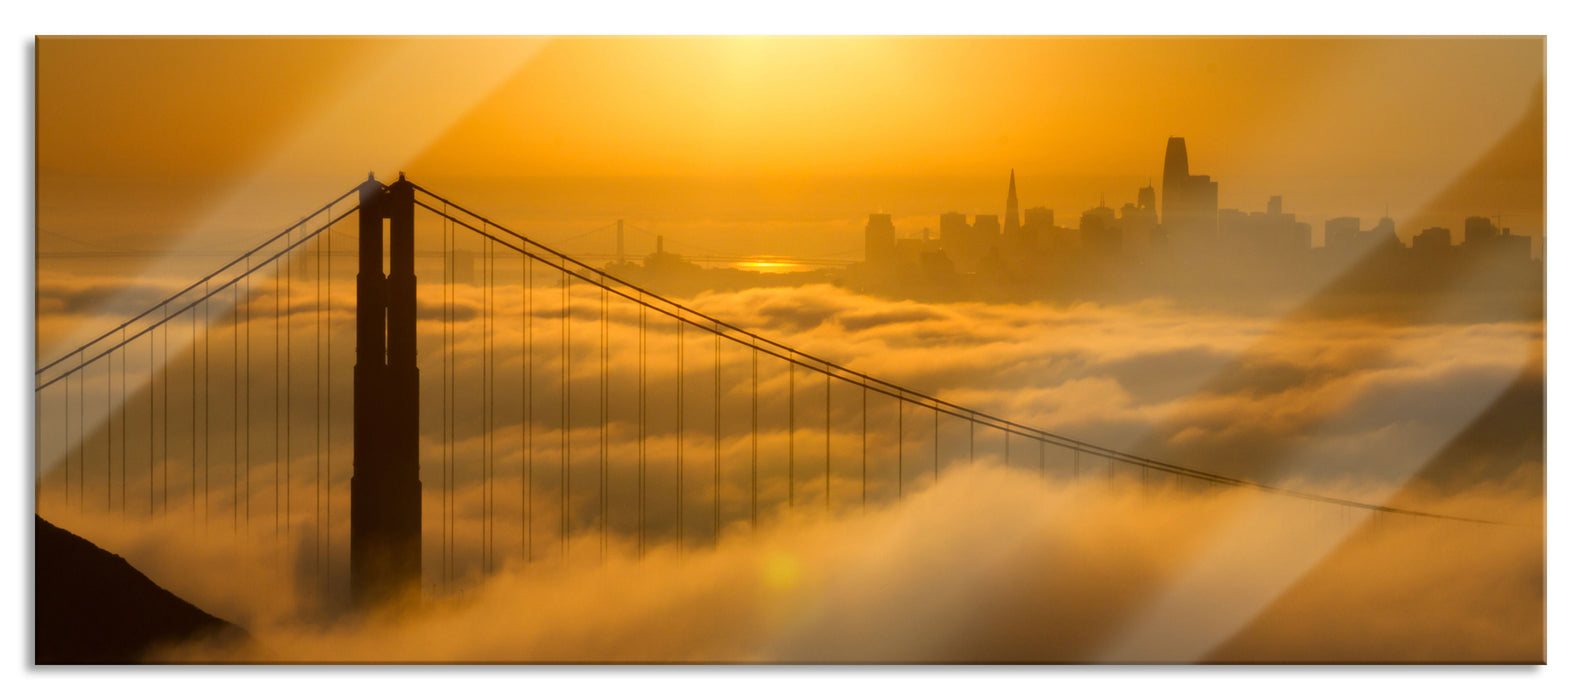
[989, 565]
[1093, 572]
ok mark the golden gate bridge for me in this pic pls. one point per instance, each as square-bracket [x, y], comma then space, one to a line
[623, 414]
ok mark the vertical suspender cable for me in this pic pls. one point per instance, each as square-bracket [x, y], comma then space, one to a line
[288, 300]
[329, 387]
[900, 422]
[530, 426]
[491, 371]
[65, 444]
[447, 284]
[65, 435]
[38, 446]
[828, 381]
[755, 438]
[123, 427]
[567, 373]
[488, 399]
[680, 387]
[526, 428]
[865, 444]
[790, 433]
[972, 440]
[192, 455]
[82, 439]
[207, 411]
[488, 402]
[150, 415]
[276, 408]
[329, 394]
[39, 487]
[109, 431]
[565, 411]
[450, 399]
[236, 409]
[488, 407]
[164, 401]
[483, 379]
[247, 406]
[642, 430]
[604, 421]
[318, 404]
[150, 425]
[717, 436]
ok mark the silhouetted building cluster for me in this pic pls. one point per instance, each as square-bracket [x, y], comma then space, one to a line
[1182, 234]
[879, 241]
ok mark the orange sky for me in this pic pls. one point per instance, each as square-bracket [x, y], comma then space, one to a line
[791, 106]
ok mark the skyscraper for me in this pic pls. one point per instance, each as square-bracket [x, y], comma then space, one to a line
[983, 243]
[1101, 236]
[1013, 214]
[1384, 234]
[1342, 232]
[1190, 211]
[1480, 231]
[1432, 241]
[1175, 181]
[879, 241]
[1039, 229]
[1138, 222]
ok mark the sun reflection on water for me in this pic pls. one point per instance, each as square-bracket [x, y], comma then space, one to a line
[771, 265]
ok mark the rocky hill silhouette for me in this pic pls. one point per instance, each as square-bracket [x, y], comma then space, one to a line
[92, 607]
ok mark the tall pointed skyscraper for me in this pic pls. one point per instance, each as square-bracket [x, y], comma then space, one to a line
[1175, 182]
[1190, 203]
[1013, 213]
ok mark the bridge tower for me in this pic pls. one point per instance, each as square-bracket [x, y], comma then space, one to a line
[386, 530]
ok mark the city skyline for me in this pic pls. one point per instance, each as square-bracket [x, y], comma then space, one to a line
[1199, 222]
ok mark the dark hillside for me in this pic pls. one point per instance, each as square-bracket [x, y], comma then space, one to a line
[91, 607]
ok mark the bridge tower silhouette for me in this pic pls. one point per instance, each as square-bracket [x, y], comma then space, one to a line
[386, 498]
